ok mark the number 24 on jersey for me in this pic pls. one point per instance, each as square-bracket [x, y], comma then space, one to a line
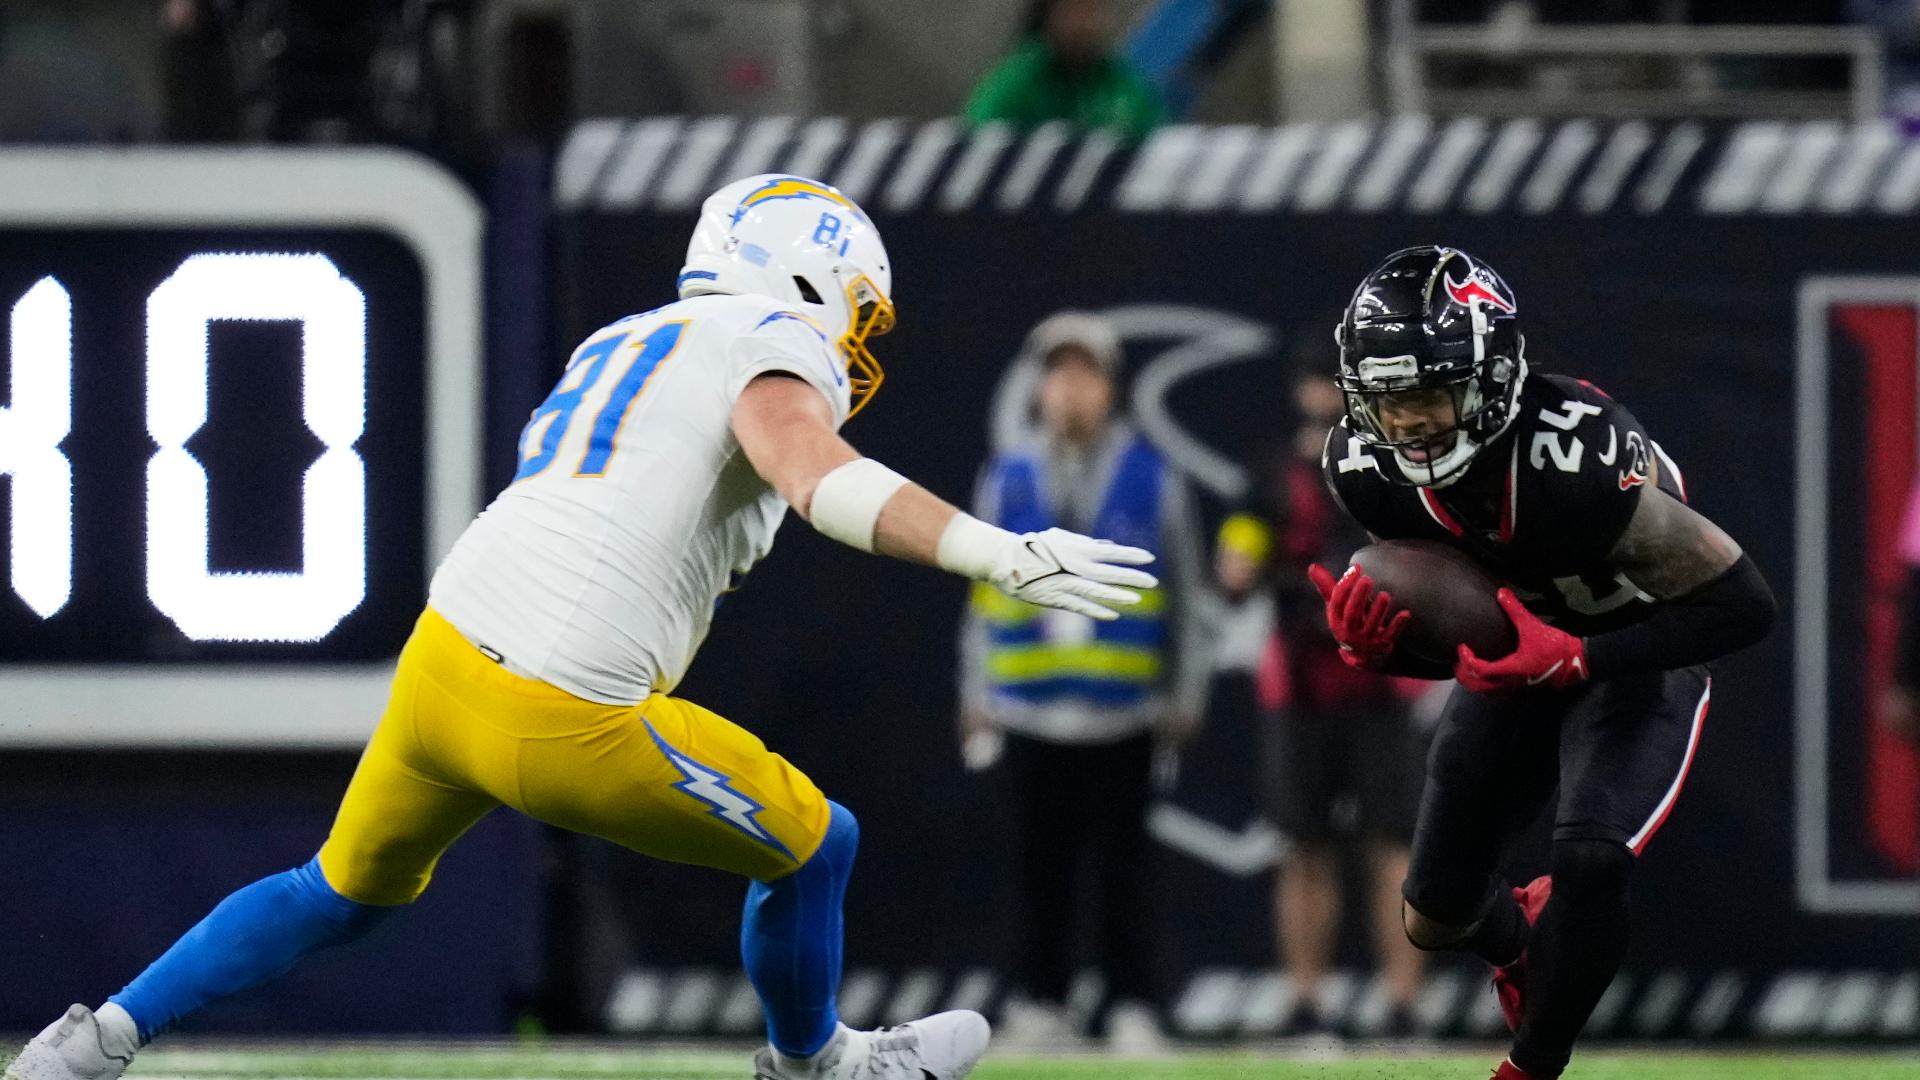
[540, 439]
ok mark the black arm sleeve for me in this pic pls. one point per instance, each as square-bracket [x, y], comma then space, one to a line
[1727, 614]
[1907, 665]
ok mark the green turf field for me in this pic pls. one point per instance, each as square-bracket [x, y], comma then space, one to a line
[607, 1063]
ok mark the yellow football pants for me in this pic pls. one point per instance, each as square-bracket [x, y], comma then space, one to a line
[462, 735]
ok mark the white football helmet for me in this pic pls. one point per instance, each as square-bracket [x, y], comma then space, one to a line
[803, 243]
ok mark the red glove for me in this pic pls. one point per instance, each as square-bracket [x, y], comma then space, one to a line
[1362, 619]
[1544, 656]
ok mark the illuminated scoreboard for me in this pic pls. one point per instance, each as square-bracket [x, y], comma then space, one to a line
[239, 426]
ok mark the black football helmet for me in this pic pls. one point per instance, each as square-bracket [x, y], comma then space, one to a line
[1432, 319]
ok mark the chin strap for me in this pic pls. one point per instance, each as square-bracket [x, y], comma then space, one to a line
[1467, 448]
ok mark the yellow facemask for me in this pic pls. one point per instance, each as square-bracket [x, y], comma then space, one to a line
[872, 316]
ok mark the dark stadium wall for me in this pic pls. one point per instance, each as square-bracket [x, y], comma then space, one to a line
[166, 835]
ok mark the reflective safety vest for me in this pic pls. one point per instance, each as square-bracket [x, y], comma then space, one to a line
[1037, 655]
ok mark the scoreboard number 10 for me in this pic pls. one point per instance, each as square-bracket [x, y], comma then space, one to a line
[205, 604]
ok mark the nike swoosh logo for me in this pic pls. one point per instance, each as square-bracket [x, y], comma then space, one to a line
[1536, 680]
[1034, 550]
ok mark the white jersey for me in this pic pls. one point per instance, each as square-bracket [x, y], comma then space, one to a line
[633, 510]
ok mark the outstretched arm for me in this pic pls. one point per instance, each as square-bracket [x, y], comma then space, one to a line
[785, 428]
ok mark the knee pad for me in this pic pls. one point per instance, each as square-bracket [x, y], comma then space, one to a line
[1591, 869]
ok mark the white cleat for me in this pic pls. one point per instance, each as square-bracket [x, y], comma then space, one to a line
[71, 1048]
[944, 1046]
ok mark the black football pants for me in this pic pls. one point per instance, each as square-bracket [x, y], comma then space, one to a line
[1618, 751]
[1080, 841]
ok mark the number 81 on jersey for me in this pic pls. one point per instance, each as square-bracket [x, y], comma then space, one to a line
[548, 426]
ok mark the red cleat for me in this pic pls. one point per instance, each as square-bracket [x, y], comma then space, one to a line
[1507, 1070]
[1510, 982]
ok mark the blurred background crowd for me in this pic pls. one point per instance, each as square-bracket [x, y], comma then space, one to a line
[454, 75]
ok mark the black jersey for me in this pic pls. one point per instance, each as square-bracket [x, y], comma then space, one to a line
[1569, 473]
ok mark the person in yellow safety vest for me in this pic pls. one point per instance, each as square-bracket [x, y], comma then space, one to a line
[1071, 708]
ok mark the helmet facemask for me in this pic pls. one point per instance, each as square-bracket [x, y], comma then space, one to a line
[1430, 458]
[872, 315]
[1482, 390]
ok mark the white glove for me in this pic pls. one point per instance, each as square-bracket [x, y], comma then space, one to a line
[1061, 569]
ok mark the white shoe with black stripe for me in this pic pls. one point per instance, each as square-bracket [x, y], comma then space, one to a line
[944, 1046]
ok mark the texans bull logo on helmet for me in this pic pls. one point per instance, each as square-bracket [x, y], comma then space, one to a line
[1478, 285]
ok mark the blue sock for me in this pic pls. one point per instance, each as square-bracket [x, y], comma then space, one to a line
[253, 935]
[791, 937]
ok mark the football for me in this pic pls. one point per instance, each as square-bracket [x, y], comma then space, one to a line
[1450, 596]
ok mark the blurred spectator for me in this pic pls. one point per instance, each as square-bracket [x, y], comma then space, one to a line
[1341, 762]
[1066, 67]
[1078, 703]
[1240, 617]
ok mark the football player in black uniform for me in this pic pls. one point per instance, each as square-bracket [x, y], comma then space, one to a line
[1619, 593]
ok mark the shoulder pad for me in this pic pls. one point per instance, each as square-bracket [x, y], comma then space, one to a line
[1587, 458]
[1352, 472]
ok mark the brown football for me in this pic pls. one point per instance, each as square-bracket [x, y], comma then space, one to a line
[1451, 597]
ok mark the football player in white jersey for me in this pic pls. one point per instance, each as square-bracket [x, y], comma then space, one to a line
[541, 674]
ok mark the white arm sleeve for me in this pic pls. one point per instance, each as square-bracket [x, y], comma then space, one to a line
[847, 504]
[972, 548]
